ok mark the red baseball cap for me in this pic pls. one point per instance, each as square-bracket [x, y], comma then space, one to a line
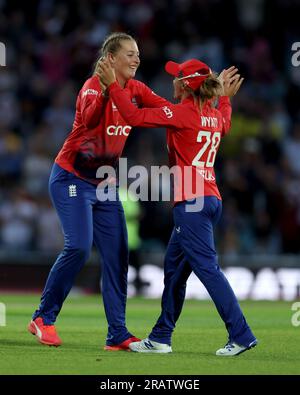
[193, 71]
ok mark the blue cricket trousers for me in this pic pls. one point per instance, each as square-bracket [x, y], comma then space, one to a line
[85, 219]
[191, 248]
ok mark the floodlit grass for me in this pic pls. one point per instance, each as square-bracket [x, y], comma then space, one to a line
[199, 332]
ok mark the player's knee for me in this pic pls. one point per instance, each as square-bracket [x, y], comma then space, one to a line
[213, 269]
[78, 252]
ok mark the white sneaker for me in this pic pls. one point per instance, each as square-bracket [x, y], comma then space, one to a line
[147, 345]
[231, 349]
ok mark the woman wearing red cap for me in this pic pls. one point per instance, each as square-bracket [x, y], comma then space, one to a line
[194, 132]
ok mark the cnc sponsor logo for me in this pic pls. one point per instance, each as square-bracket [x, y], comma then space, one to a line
[113, 130]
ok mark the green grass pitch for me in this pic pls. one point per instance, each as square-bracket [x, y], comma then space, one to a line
[199, 332]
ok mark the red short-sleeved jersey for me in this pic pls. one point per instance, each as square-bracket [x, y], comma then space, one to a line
[99, 131]
[193, 138]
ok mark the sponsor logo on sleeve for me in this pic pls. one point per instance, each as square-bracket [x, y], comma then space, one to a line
[168, 112]
[90, 92]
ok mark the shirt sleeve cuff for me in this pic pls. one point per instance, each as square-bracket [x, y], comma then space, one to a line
[115, 85]
[224, 99]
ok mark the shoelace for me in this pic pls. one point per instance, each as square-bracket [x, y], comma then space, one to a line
[228, 346]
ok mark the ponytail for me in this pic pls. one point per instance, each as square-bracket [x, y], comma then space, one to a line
[211, 87]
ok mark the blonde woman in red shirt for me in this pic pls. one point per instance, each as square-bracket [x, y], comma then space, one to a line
[97, 139]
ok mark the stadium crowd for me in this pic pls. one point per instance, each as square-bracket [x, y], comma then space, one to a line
[51, 47]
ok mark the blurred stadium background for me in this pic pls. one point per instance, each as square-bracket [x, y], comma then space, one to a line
[51, 47]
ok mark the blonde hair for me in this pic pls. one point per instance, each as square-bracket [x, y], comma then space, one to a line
[112, 44]
[210, 88]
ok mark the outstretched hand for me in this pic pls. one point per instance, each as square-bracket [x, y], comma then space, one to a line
[105, 73]
[231, 81]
